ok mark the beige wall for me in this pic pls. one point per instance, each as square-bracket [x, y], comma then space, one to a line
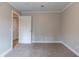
[70, 26]
[5, 27]
[45, 26]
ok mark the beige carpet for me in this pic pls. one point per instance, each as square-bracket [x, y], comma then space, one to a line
[41, 50]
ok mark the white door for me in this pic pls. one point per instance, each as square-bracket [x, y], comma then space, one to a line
[25, 29]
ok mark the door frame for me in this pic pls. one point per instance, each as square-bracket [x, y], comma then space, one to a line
[13, 11]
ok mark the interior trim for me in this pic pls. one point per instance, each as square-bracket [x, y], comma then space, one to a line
[71, 49]
[67, 6]
[41, 12]
[6, 52]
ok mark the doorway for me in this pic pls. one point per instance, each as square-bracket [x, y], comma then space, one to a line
[15, 29]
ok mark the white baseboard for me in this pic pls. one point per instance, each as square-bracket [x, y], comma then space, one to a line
[70, 48]
[2, 55]
[46, 41]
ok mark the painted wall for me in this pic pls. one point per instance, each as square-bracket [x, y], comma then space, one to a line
[70, 26]
[5, 27]
[45, 26]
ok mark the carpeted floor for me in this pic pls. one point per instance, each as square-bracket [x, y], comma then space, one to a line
[41, 50]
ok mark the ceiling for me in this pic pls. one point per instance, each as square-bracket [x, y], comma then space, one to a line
[36, 6]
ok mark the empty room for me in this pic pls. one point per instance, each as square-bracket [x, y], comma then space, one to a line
[39, 29]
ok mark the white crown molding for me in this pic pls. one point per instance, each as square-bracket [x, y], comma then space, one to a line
[41, 12]
[67, 6]
[14, 8]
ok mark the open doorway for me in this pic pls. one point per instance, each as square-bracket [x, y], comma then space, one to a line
[15, 26]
